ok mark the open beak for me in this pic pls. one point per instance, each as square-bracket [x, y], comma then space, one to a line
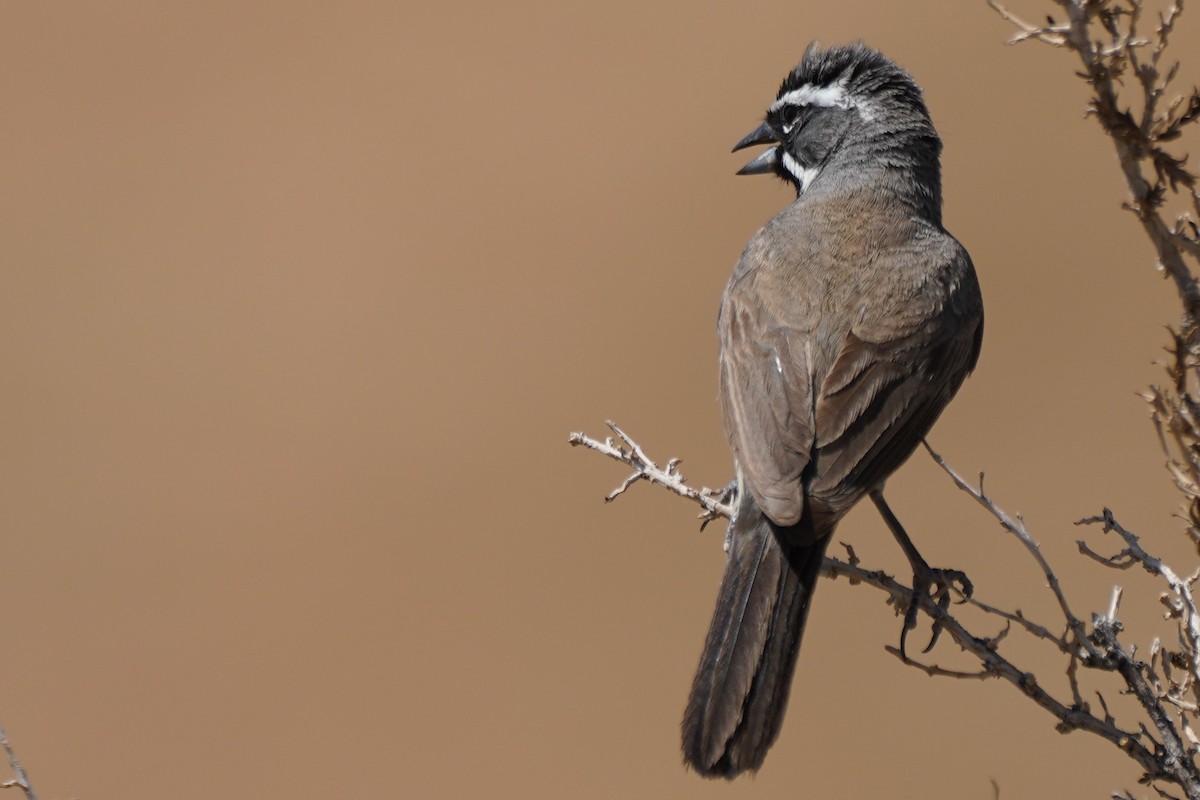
[766, 162]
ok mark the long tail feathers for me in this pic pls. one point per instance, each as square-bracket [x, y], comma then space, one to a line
[741, 687]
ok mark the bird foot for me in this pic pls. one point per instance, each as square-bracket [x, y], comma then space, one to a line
[936, 584]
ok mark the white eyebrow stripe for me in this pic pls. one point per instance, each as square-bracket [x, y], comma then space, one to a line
[834, 96]
[808, 95]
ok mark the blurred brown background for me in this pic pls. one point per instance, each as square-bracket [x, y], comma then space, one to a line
[300, 301]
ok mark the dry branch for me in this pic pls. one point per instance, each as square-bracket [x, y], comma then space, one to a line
[19, 780]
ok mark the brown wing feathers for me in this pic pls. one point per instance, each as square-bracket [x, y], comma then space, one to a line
[808, 443]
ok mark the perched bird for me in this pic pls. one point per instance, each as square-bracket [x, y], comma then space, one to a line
[848, 324]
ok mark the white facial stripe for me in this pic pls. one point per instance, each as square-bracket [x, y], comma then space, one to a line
[835, 96]
[809, 95]
[804, 176]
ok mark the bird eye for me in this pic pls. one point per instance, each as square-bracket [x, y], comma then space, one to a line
[788, 115]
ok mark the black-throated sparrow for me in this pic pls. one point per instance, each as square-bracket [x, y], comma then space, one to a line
[850, 321]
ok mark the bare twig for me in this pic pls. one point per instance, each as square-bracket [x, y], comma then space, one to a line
[934, 671]
[1049, 34]
[1034, 629]
[1016, 526]
[1180, 588]
[19, 780]
[668, 477]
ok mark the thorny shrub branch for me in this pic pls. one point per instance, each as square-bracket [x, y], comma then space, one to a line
[1130, 78]
[1107, 38]
[1132, 99]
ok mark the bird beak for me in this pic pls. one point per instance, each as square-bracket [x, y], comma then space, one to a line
[765, 162]
[760, 135]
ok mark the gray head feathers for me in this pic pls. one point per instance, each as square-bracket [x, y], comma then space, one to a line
[850, 115]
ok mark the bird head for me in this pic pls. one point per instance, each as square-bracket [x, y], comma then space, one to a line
[845, 110]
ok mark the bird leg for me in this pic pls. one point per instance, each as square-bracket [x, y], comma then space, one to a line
[927, 581]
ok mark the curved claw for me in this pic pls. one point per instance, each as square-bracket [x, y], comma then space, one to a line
[937, 585]
[965, 588]
[910, 622]
[943, 603]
